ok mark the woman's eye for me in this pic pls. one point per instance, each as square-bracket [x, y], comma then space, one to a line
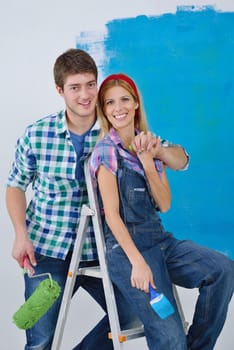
[109, 102]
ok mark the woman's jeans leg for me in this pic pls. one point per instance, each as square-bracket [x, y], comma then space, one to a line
[193, 266]
[167, 334]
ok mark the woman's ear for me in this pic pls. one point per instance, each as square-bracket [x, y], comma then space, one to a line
[137, 105]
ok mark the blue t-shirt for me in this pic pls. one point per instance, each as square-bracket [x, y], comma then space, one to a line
[78, 143]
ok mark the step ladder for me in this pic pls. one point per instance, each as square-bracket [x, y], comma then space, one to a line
[117, 335]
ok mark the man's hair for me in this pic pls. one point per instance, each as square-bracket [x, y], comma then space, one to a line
[73, 61]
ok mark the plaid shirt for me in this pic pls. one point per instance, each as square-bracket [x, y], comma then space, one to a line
[105, 153]
[45, 157]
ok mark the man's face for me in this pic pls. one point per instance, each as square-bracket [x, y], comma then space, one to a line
[80, 95]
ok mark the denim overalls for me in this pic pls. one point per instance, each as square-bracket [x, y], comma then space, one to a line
[172, 261]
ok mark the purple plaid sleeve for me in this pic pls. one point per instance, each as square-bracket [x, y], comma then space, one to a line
[104, 154]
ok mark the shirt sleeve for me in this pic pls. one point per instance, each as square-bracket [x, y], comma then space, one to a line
[23, 169]
[103, 154]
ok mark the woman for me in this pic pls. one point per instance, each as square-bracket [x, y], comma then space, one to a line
[133, 186]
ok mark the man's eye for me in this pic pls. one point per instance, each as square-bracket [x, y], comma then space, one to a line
[92, 85]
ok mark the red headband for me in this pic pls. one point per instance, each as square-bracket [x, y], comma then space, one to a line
[120, 76]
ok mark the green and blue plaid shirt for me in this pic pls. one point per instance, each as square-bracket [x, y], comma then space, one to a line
[45, 157]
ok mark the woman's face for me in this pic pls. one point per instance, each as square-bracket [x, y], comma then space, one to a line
[119, 107]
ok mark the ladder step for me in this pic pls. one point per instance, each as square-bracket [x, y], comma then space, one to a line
[93, 271]
[129, 334]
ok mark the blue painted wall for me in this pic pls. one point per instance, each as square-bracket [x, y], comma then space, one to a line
[183, 64]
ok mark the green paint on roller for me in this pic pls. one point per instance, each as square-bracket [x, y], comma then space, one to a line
[37, 304]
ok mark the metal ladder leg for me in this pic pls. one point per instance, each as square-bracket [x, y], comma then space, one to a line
[86, 212]
[180, 309]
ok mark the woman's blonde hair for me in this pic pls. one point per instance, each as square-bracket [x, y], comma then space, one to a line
[128, 84]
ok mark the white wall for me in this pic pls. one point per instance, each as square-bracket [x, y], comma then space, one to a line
[32, 35]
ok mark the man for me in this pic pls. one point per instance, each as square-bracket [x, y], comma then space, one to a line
[50, 156]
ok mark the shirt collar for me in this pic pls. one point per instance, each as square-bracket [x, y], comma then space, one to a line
[96, 126]
[115, 137]
[62, 123]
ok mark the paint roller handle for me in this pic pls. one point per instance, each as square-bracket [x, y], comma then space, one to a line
[27, 267]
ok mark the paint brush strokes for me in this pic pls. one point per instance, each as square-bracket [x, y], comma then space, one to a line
[183, 64]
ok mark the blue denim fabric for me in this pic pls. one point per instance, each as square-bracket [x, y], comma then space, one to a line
[40, 336]
[172, 261]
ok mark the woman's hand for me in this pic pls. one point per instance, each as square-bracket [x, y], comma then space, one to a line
[147, 143]
[141, 276]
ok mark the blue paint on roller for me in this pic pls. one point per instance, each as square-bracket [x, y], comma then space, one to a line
[160, 304]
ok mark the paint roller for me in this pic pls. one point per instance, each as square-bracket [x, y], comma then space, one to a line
[160, 304]
[39, 302]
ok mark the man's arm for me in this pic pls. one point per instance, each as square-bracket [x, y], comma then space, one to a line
[173, 156]
[16, 206]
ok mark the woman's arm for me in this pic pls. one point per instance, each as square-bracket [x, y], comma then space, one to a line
[141, 272]
[158, 184]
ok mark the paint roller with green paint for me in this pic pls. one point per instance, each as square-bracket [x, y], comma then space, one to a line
[38, 303]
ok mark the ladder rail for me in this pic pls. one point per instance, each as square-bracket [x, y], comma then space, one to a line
[180, 309]
[101, 248]
[71, 278]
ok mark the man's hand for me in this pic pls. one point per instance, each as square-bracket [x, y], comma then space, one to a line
[22, 248]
